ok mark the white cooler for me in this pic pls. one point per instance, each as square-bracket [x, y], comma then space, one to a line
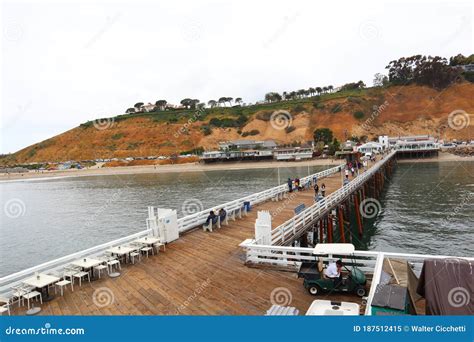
[328, 308]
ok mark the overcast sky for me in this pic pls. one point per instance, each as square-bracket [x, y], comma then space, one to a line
[65, 62]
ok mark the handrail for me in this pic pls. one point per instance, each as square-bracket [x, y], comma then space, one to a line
[62, 261]
[184, 224]
[190, 221]
[370, 262]
[297, 223]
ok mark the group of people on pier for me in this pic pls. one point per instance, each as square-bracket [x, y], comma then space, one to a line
[222, 213]
[296, 185]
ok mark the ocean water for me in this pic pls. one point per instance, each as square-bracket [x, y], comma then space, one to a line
[45, 219]
[425, 208]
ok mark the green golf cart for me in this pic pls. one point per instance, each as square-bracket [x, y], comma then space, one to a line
[316, 282]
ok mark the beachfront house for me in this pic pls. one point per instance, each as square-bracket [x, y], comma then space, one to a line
[409, 138]
[246, 144]
[371, 147]
[383, 140]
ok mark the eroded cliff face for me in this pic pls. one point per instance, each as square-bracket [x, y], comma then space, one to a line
[392, 111]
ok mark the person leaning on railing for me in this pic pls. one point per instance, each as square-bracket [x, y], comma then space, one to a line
[212, 216]
[222, 214]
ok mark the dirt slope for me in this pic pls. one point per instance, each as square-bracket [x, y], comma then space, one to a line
[392, 111]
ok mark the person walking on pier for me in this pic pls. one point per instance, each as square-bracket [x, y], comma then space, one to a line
[323, 190]
[316, 190]
[297, 184]
[290, 185]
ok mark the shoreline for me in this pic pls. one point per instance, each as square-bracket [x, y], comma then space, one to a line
[197, 167]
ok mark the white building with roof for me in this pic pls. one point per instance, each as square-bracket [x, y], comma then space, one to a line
[370, 147]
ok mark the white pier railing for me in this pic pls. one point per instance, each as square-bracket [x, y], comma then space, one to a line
[370, 262]
[292, 228]
[184, 224]
[191, 221]
[57, 265]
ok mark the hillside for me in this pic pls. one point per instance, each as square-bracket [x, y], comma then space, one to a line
[401, 110]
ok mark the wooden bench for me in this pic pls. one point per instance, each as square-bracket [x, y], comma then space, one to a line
[300, 208]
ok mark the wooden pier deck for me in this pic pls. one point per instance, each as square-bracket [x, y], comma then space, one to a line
[202, 273]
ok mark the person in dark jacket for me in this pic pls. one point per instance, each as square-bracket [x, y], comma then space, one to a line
[290, 185]
[316, 189]
[212, 216]
[222, 214]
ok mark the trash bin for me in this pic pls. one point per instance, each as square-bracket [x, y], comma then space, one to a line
[247, 205]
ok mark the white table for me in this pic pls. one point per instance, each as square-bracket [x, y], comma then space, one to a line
[120, 250]
[42, 281]
[86, 263]
[150, 240]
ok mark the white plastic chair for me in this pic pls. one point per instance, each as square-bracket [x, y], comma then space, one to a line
[32, 295]
[147, 249]
[99, 268]
[61, 284]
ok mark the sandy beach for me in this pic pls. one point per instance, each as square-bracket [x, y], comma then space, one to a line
[198, 167]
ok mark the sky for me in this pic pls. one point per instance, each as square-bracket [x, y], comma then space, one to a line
[67, 62]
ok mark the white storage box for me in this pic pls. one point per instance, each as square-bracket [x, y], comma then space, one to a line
[328, 308]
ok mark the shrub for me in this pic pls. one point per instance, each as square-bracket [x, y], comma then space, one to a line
[228, 122]
[290, 129]
[117, 136]
[336, 108]
[252, 132]
[358, 115]
[198, 150]
[264, 116]
[298, 109]
[354, 99]
[206, 130]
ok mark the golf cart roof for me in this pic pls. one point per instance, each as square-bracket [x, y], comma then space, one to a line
[334, 248]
